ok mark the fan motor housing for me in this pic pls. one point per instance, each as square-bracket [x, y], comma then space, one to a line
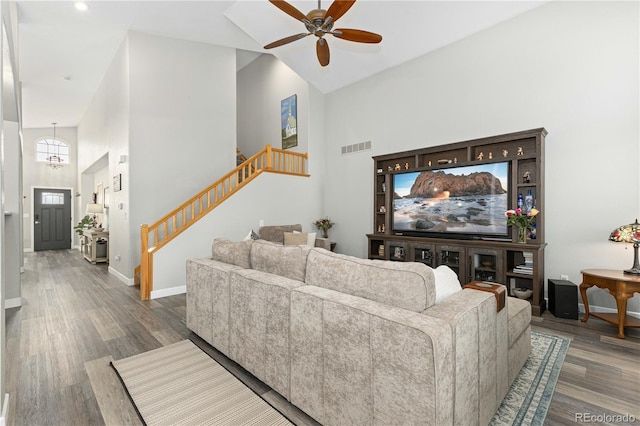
[316, 22]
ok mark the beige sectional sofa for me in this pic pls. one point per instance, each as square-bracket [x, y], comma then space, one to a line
[355, 341]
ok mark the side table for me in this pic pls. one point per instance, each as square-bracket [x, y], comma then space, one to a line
[621, 286]
[90, 245]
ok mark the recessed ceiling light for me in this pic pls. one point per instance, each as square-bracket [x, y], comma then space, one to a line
[67, 78]
[80, 5]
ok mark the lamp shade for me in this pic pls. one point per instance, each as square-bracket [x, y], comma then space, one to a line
[94, 208]
[629, 234]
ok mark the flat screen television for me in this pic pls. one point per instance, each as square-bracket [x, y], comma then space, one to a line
[456, 201]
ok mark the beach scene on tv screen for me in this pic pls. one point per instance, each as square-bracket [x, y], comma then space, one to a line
[468, 199]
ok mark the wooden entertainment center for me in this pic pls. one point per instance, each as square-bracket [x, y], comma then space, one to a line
[473, 258]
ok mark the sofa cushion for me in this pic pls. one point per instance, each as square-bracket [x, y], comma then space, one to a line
[408, 285]
[286, 261]
[234, 253]
[519, 317]
[276, 233]
[311, 238]
[297, 239]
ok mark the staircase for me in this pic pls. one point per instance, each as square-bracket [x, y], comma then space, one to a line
[155, 236]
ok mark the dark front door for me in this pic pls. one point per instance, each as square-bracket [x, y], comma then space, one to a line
[51, 219]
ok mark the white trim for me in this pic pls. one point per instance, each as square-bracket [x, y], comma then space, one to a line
[606, 310]
[165, 292]
[13, 303]
[128, 281]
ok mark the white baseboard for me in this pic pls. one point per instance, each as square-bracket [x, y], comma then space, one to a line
[606, 310]
[595, 308]
[128, 281]
[27, 250]
[165, 292]
[13, 303]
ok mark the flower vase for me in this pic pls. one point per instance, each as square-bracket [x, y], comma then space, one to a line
[325, 233]
[522, 235]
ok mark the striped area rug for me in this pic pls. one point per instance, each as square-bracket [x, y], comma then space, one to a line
[181, 385]
[529, 397]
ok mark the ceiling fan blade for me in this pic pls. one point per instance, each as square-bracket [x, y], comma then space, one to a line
[286, 40]
[288, 9]
[322, 49]
[338, 8]
[358, 36]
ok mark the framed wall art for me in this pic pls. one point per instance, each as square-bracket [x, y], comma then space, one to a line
[289, 121]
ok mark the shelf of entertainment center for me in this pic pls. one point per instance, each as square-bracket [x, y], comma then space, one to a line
[497, 257]
[471, 260]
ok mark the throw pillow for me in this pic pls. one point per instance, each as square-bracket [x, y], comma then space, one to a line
[295, 239]
[447, 283]
[311, 238]
[252, 236]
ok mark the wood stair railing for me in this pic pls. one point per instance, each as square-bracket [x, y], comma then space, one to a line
[155, 236]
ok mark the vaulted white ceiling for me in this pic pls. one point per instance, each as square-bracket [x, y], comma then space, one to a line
[64, 53]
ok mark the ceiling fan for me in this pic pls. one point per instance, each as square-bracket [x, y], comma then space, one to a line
[319, 22]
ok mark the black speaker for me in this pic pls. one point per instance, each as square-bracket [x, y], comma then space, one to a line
[563, 298]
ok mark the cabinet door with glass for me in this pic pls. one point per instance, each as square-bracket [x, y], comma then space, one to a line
[396, 250]
[486, 265]
[452, 256]
[423, 253]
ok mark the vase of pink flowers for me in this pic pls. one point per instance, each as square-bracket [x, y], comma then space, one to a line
[522, 220]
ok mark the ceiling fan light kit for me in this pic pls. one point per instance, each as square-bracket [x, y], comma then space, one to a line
[319, 22]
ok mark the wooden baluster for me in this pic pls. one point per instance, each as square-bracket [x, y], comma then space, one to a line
[269, 153]
[144, 262]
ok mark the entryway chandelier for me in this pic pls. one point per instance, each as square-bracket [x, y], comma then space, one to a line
[53, 151]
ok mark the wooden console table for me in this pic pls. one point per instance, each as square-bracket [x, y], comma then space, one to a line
[90, 239]
[621, 286]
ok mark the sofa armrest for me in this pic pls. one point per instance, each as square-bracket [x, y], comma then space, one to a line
[323, 243]
[357, 361]
[498, 290]
[480, 340]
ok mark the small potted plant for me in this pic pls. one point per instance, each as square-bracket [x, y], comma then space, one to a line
[85, 223]
[324, 224]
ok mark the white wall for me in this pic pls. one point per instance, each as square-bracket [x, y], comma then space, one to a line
[10, 109]
[103, 133]
[12, 171]
[169, 107]
[274, 198]
[262, 85]
[571, 67]
[183, 132]
[40, 175]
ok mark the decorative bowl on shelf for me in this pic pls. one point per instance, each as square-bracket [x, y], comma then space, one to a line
[487, 263]
[522, 293]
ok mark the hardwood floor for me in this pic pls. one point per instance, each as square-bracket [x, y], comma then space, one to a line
[76, 317]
